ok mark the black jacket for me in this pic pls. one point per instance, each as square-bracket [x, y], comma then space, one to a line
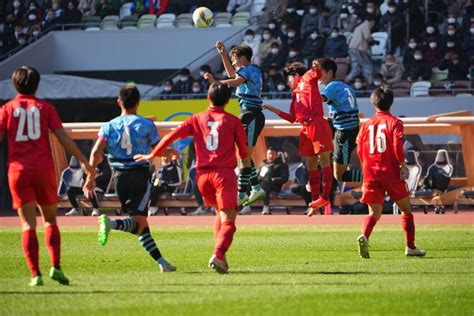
[276, 171]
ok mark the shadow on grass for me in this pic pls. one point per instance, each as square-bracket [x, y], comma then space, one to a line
[31, 292]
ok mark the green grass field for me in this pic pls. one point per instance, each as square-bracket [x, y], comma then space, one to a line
[276, 270]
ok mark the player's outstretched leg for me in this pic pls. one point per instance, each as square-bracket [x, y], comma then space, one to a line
[408, 225]
[243, 183]
[148, 243]
[257, 193]
[126, 224]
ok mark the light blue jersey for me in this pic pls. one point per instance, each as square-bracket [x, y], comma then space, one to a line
[127, 136]
[342, 105]
[249, 93]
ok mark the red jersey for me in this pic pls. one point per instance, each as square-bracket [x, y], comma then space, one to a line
[215, 133]
[380, 147]
[306, 101]
[27, 121]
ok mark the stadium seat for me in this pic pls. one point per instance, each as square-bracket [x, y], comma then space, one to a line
[378, 51]
[126, 10]
[420, 89]
[343, 64]
[166, 21]
[414, 170]
[241, 19]
[401, 89]
[129, 22]
[441, 165]
[110, 22]
[462, 87]
[146, 21]
[184, 20]
[441, 88]
[438, 75]
[222, 19]
[91, 23]
[188, 189]
[300, 178]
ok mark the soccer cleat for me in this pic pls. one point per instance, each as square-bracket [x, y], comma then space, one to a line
[36, 281]
[246, 210]
[321, 202]
[255, 196]
[95, 212]
[104, 229]
[200, 211]
[266, 210]
[153, 210]
[363, 244]
[167, 268]
[417, 252]
[58, 275]
[242, 198]
[219, 265]
[75, 212]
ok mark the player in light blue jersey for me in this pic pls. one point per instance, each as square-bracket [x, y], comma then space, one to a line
[124, 137]
[247, 78]
[344, 112]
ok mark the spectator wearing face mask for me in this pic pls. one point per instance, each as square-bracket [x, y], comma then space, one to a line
[467, 43]
[185, 82]
[197, 91]
[346, 22]
[391, 71]
[360, 87]
[253, 41]
[34, 9]
[326, 22]
[169, 91]
[430, 33]
[336, 45]
[291, 17]
[274, 28]
[266, 44]
[239, 6]
[410, 51]
[452, 33]
[72, 15]
[377, 82]
[271, 79]
[293, 40]
[35, 32]
[282, 90]
[31, 18]
[456, 66]
[452, 45]
[202, 71]
[294, 56]
[371, 9]
[276, 58]
[49, 20]
[433, 53]
[451, 19]
[419, 70]
[313, 47]
[310, 21]
[394, 20]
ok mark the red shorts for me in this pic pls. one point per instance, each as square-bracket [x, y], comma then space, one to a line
[373, 192]
[28, 186]
[218, 187]
[315, 138]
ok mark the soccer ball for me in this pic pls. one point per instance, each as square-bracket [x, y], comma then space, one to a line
[203, 17]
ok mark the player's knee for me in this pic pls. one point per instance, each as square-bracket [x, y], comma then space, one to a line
[28, 226]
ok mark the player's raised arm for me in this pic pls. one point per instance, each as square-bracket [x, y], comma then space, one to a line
[290, 117]
[225, 59]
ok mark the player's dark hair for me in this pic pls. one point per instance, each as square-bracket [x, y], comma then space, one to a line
[272, 148]
[242, 50]
[328, 65]
[129, 95]
[219, 94]
[26, 80]
[382, 98]
[294, 69]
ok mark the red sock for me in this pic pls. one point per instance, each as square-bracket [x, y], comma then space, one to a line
[52, 239]
[217, 226]
[408, 225]
[224, 239]
[29, 241]
[314, 180]
[368, 226]
[327, 182]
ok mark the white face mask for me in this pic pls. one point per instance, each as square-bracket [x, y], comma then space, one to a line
[388, 63]
[290, 10]
[370, 10]
[16, 4]
[196, 90]
[274, 51]
[343, 15]
[249, 38]
[471, 30]
[167, 88]
[451, 32]
[313, 11]
[291, 34]
[292, 54]
[430, 30]
[202, 73]
[266, 37]
[281, 87]
[183, 78]
[451, 20]
[351, 10]
[35, 33]
[32, 17]
[450, 44]
[433, 44]
[418, 57]
[412, 45]
[358, 85]
[378, 83]
[334, 34]
[271, 26]
[32, 7]
[314, 36]
[392, 10]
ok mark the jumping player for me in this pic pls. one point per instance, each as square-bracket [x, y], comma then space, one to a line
[380, 149]
[344, 111]
[124, 137]
[315, 135]
[216, 133]
[248, 80]
[27, 120]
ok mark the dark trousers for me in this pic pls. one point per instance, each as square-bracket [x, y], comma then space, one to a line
[72, 194]
[301, 191]
[269, 186]
[158, 190]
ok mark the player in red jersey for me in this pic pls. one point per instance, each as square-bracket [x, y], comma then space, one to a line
[216, 133]
[380, 149]
[26, 121]
[315, 136]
